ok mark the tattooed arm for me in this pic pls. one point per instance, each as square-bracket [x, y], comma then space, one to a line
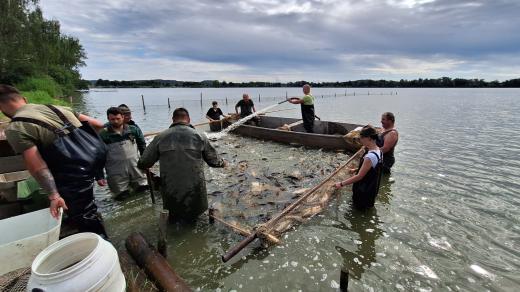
[39, 170]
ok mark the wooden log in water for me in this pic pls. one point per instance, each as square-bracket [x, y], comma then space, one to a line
[162, 241]
[154, 264]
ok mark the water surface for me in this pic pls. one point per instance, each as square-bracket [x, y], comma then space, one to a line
[448, 221]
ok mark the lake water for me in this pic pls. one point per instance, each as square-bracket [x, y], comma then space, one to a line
[450, 220]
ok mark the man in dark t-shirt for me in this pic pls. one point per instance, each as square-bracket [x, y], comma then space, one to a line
[213, 115]
[247, 107]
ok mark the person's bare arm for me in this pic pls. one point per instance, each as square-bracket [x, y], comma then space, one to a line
[254, 109]
[97, 124]
[296, 100]
[41, 173]
[367, 164]
[210, 119]
[390, 141]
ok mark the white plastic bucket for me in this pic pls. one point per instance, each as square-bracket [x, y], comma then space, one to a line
[80, 262]
[23, 237]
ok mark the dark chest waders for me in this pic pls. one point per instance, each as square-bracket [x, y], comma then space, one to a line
[364, 192]
[74, 159]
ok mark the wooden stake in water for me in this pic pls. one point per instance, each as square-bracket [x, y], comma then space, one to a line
[169, 107]
[259, 98]
[201, 99]
[226, 100]
[142, 99]
[162, 241]
[343, 280]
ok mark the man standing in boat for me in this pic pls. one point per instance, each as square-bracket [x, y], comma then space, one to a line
[61, 151]
[247, 107]
[124, 143]
[387, 140]
[213, 115]
[307, 106]
[181, 151]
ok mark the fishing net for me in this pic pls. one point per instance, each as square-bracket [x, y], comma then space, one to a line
[258, 189]
[15, 281]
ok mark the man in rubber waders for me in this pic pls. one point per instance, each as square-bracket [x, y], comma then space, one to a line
[124, 144]
[387, 140]
[307, 106]
[127, 115]
[247, 107]
[62, 152]
[181, 152]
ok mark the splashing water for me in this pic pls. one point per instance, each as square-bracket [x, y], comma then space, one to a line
[223, 133]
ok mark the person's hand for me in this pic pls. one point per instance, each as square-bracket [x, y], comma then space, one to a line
[352, 170]
[57, 202]
[225, 164]
[338, 185]
[102, 182]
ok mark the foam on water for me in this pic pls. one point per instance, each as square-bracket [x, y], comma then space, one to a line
[223, 133]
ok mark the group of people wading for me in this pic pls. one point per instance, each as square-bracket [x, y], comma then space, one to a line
[66, 152]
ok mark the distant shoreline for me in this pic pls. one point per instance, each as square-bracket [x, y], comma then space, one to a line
[444, 82]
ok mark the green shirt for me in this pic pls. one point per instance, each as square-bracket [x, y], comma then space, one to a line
[308, 99]
[109, 136]
[23, 135]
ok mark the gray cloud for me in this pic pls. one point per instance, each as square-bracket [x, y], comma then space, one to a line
[294, 39]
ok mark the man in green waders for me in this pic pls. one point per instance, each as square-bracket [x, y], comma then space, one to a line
[124, 144]
[307, 106]
[181, 151]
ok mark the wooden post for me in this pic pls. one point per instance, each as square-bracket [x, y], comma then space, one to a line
[368, 93]
[169, 107]
[226, 100]
[334, 94]
[142, 99]
[201, 99]
[259, 98]
[354, 93]
[211, 213]
[286, 96]
[345, 92]
[162, 241]
[154, 264]
[343, 280]
[70, 99]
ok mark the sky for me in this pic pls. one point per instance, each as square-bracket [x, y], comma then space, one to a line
[280, 41]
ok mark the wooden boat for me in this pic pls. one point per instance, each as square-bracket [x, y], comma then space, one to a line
[328, 135]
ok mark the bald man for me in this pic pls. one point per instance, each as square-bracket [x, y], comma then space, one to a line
[307, 106]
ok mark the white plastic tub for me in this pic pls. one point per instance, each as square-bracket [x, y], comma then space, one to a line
[23, 237]
[80, 262]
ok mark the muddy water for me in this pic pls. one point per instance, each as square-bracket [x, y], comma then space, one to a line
[448, 219]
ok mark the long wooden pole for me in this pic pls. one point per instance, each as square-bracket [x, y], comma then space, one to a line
[231, 253]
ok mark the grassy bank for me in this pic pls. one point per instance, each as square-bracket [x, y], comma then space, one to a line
[41, 90]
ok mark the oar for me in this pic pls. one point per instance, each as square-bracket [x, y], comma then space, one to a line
[232, 252]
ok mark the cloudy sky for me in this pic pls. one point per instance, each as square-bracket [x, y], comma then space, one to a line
[272, 40]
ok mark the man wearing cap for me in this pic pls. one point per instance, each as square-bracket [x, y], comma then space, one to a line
[181, 151]
[127, 115]
[124, 144]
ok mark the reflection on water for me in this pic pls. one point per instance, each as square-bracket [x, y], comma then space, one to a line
[448, 218]
[366, 225]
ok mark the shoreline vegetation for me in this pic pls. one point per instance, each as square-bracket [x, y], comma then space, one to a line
[444, 82]
[35, 56]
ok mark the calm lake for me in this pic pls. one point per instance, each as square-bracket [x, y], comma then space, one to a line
[447, 220]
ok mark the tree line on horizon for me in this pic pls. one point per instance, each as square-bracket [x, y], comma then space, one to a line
[444, 82]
